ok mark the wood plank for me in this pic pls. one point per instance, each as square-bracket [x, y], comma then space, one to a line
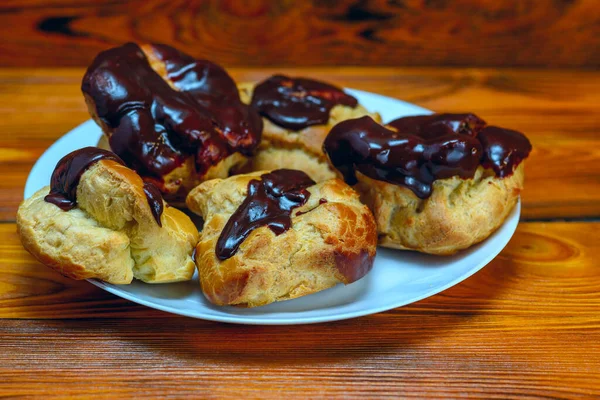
[558, 110]
[527, 325]
[307, 33]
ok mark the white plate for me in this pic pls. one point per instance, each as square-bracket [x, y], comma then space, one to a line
[398, 278]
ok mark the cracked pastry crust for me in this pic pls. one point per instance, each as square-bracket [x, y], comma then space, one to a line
[328, 243]
[302, 150]
[458, 214]
[112, 234]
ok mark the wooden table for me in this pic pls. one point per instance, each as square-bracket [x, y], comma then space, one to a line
[526, 325]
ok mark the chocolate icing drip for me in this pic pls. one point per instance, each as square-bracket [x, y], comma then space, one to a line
[155, 201]
[68, 171]
[70, 168]
[423, 149]
[216, 91]
[156, 128]
[295, 103]
[269, 202]
[504, 149]
[195, 76]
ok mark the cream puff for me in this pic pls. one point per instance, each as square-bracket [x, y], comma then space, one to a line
[98, 219]
[435, 183]
[272, 236]
[298, 114]
[174, 119]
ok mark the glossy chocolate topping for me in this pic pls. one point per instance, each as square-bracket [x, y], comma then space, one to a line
[269, 202]
[423, 149]
[438, 125]
[68, 171]
[155, 128]
[503, 149]
[215, 90]
[295, 103]
[155, 201]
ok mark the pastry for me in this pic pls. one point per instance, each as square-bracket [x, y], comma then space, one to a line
[175, 120]
[272, 236]
[298, 113]
[435, 183]
[98, 219]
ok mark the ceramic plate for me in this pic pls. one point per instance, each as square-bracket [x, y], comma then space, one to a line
[398, 278]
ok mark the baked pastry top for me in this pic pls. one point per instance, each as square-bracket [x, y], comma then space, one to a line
[272, 236]
[98, 219]
[435, 183]
[298, 114]
[174, 119]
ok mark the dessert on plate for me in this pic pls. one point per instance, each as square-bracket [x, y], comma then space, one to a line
[272, 236]
[298, 113]
[178, 127]
[98, 219]
[176, 120]
[435, 183]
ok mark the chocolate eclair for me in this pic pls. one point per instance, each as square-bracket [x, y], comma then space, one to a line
[297, 114]
[273, 236]
[174, 119]
[435, 183]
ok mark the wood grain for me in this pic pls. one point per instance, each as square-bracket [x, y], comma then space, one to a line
[525, 326]
[559, 110]
[558, 33]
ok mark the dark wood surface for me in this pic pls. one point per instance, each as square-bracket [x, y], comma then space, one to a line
[527, 325]
[493, 33]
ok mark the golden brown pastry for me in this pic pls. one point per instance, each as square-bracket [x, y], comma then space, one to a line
[435, 183]
[176, 120]
[277, 236]
[298, 114]
[98, 219]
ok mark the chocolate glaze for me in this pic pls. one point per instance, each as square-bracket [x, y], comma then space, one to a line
[438, 125]
[269, 202]
[211, 86]
[155, 201]
[295, 103]
[504, 149]
[155, 128]
[423, 149]
[68, 171]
